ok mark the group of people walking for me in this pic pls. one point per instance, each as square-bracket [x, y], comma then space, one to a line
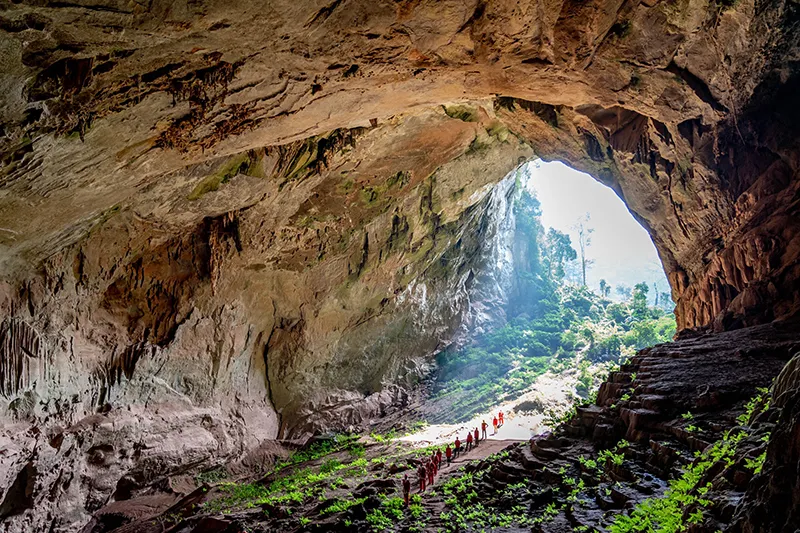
[429, 467]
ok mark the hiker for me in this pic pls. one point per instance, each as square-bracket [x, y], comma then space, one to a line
[494, 424]
[500, 416]
[484, 425]
[448, 452]
[430, 473]
[476, 436]
[457, 448]
[433, 462]
[421, 474]
[439, 458]
[469, 440]
[406, 489]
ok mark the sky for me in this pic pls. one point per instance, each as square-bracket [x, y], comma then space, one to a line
[622, 250]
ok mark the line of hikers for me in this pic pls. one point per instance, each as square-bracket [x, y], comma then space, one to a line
[428, 468]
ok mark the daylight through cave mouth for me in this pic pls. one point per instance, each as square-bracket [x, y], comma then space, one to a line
[580, 289]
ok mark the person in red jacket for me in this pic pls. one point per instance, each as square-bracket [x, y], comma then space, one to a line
[469, 440]
[422, 475]
[429, 468]
[439, 458]
[457, 450]
[484, 425]
[406, 489]
[448, 452]
[476, 436]
[500, 416]
[433, 462]
[494, 423]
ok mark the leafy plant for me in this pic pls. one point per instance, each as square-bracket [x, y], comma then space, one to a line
[666, 513]
[340, 506]
[378, 521]
[757, 464]
[211, 476]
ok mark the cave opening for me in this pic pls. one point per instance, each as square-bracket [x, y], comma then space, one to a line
[582, 288]
[229, 259]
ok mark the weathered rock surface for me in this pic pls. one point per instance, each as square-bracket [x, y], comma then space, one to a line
[272, 214]
[685, 108]
[293, 315]
[772, 501]
[645, 402]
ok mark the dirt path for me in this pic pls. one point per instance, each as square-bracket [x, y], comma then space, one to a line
[549, 392]
[484, 449]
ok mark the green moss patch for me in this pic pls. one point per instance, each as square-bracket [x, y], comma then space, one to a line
[462, 112]
[240, 164]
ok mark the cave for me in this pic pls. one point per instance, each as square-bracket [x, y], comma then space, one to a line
[230, 227]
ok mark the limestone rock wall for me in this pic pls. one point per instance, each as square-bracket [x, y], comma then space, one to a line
[143, 352]
[255, 220]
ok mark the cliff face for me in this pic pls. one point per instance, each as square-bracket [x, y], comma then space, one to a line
[257, 220]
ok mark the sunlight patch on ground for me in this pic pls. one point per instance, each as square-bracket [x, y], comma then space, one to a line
[550, 391]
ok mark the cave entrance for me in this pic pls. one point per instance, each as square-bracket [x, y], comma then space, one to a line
[586, 291]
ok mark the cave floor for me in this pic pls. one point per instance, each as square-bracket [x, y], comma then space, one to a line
[655, 419]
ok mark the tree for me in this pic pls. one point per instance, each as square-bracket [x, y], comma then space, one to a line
[639, 304]
[572, 271]
[618, 313]
[624, 291]
[666, 302]
[557, 251]
[533, 289]
[605, 288]
[584, 241]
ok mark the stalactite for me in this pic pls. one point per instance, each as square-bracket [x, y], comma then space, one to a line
[19, 344]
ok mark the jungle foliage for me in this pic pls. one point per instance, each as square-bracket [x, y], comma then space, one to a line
[552, 324]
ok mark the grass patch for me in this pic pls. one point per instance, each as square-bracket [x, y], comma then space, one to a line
[296, 484]
[341, 506]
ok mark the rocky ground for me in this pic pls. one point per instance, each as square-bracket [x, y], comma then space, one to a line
[680, 436]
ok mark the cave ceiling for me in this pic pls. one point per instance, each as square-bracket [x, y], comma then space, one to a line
[161, 120]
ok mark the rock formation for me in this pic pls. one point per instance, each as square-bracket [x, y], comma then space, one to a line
[255, 220]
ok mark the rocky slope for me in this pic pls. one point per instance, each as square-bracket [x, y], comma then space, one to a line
[248, 221]
[654, 420]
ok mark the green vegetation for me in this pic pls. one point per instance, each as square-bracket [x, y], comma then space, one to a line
[392, 434]
[342, 505]
[289, 483]
[465, 508]
[756, 464]
[553, 325]
[211, 476]
[685, 501]
[346, 186]
[227, 171]
[462, 112]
